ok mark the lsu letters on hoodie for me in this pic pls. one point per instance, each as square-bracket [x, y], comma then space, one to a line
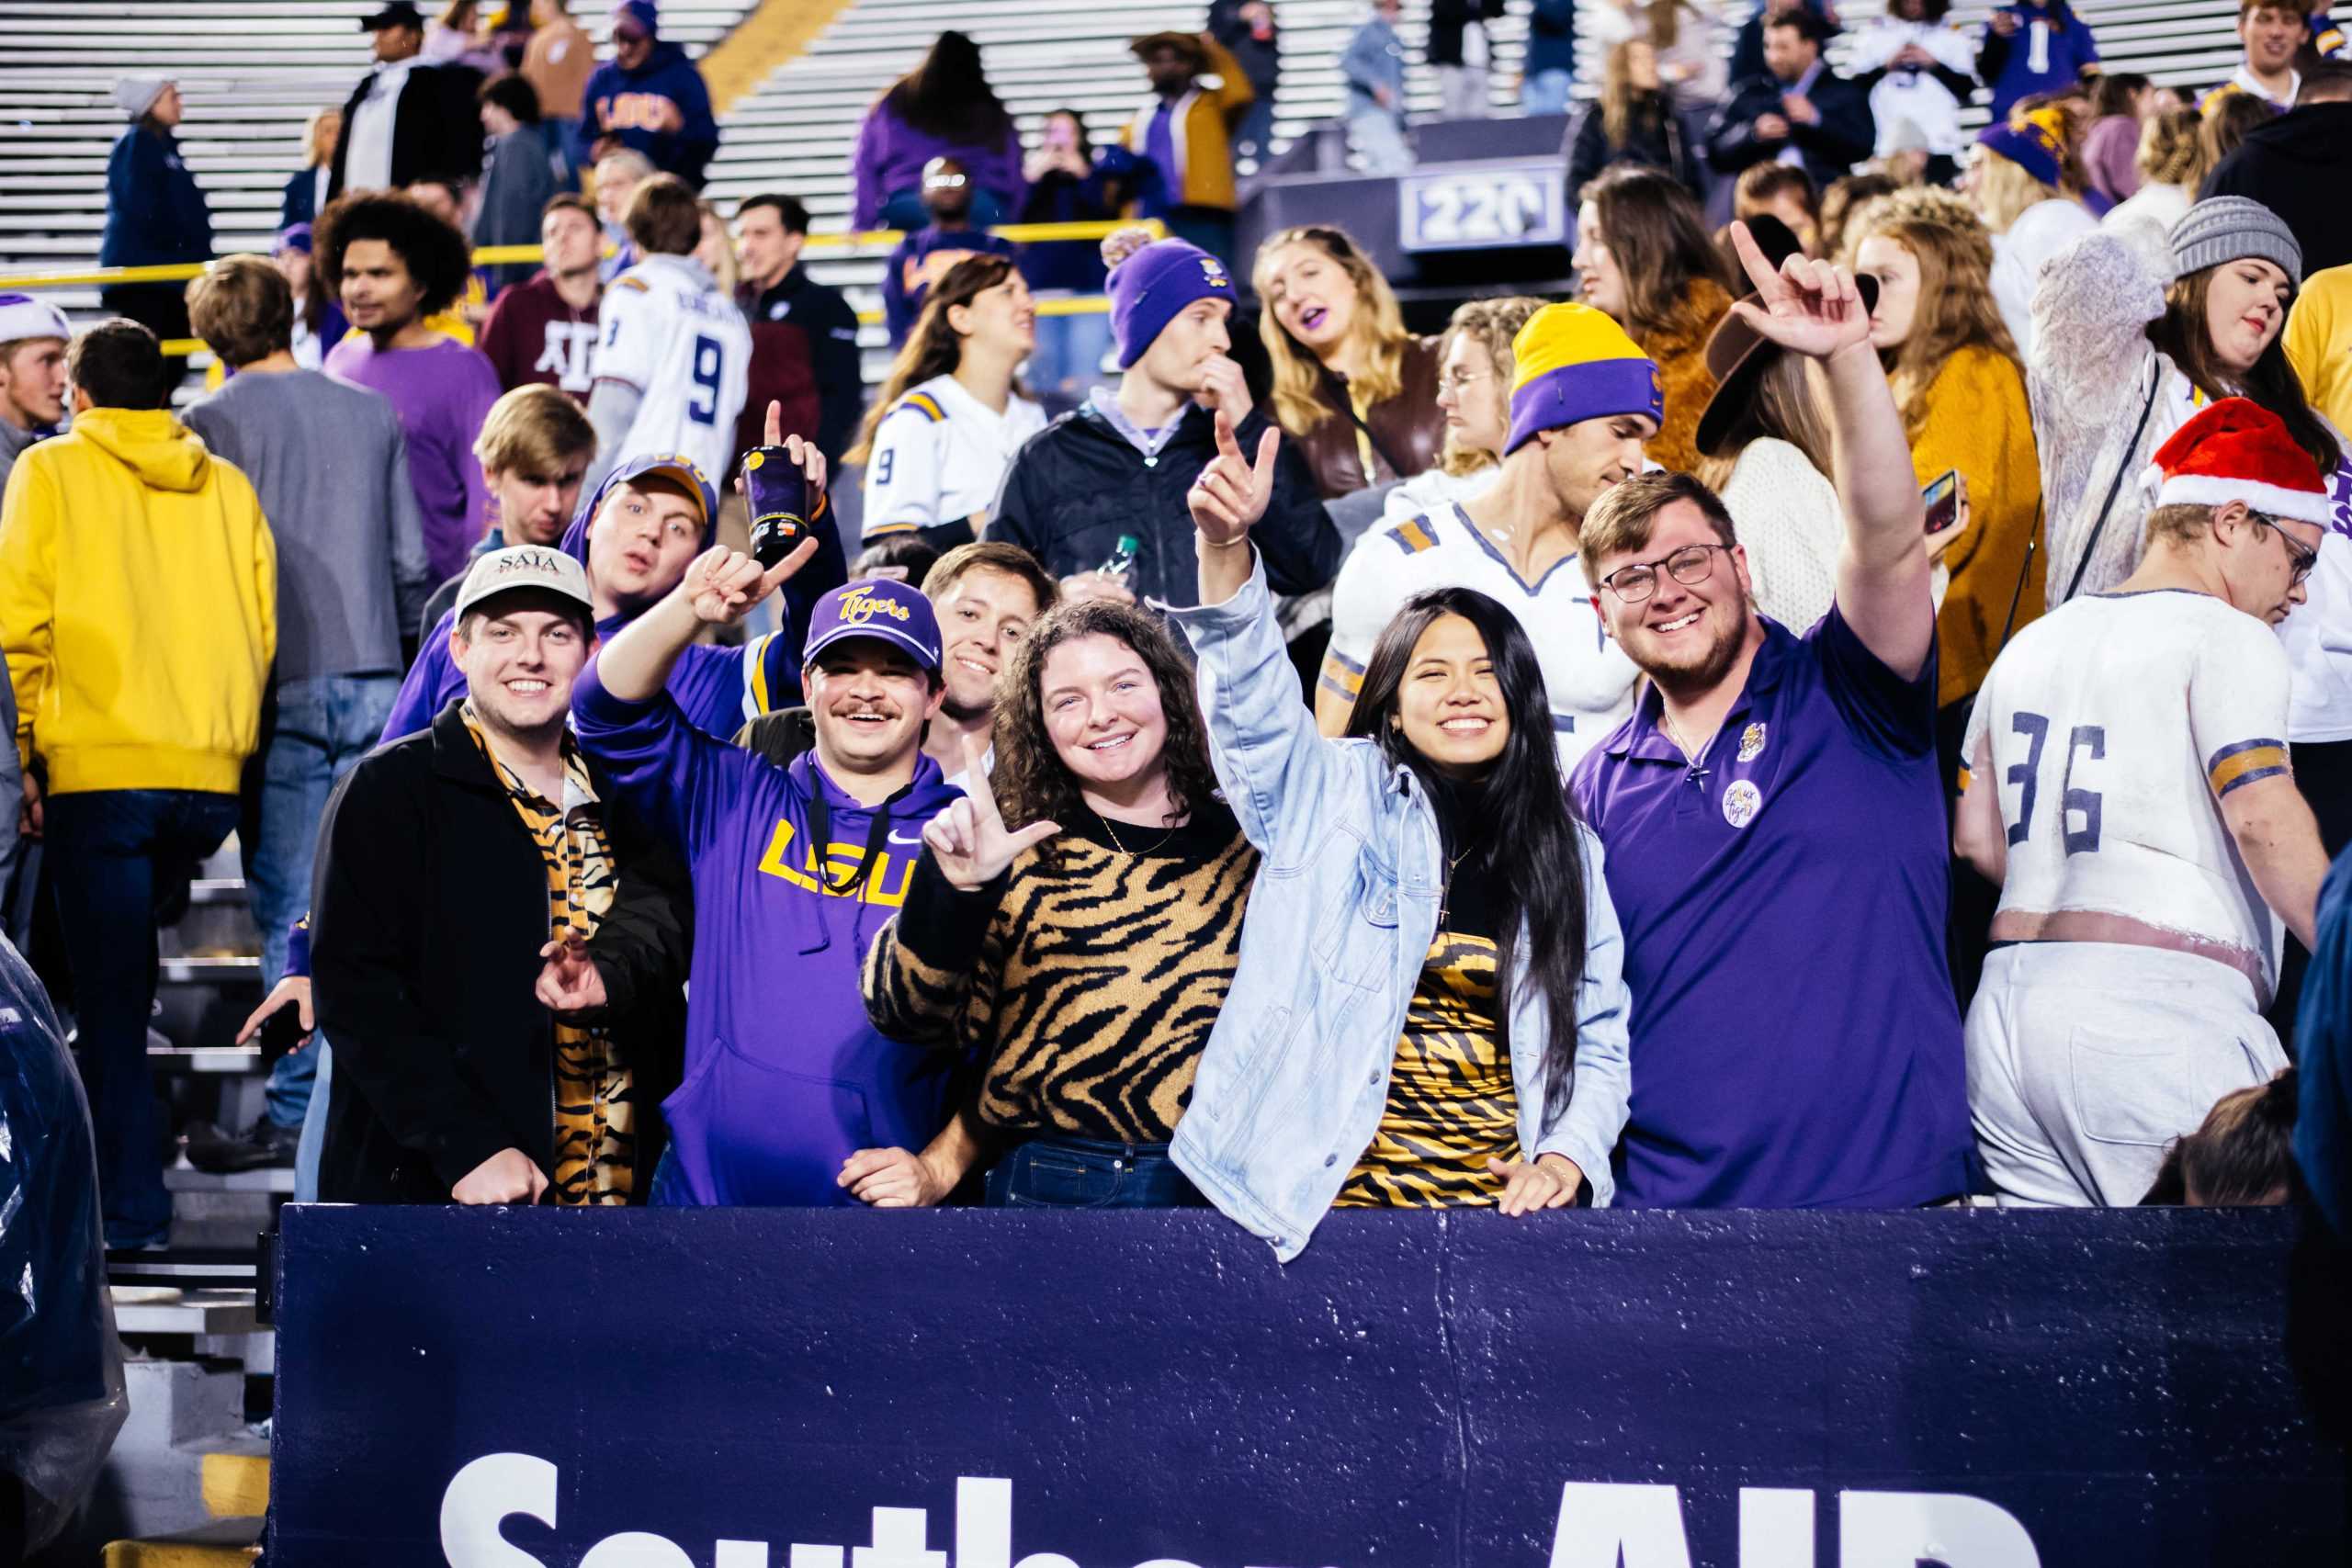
[785, 1078]
[138, 606]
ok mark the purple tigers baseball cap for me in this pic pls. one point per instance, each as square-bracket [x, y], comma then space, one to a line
[877, 607]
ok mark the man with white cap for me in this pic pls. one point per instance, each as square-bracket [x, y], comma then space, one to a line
[2129, 788]
[33, 336]
[454, 865]
[156, 214]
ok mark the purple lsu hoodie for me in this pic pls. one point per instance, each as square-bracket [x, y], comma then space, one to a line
[785, 1078]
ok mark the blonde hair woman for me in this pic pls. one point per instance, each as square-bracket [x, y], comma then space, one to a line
[1475, 367]
[2171, 164]
[1635, 121]
[1955, 374]
[1354, 389]
[2019, 180]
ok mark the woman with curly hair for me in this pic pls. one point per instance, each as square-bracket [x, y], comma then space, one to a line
[1354, 389]
[1074, 924]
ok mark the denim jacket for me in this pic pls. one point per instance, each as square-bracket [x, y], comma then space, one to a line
[1294, 1078]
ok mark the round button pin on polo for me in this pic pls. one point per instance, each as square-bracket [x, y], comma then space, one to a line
[1752, 741]
[1740, 802]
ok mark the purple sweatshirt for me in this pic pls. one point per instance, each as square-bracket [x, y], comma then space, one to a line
[441, 394]
[891, 153]
[785, 1078]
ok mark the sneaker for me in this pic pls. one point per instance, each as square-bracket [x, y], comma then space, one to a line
[262, 1145]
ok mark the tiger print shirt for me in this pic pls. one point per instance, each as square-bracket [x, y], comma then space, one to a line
[1085, 980]
[1453, 1104]
[594, 1093]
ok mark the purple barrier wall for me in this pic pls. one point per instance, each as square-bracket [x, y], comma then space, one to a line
[967, 1389]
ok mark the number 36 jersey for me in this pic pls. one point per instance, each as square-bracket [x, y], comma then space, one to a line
[671, 334]
[2116, 725]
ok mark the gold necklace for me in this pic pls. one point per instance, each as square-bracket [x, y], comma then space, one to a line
[1674, 733]
[1121, 848]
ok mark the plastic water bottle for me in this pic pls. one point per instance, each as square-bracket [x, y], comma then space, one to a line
[1122, 558]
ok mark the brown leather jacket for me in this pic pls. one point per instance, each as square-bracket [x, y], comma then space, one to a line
[1409, 428]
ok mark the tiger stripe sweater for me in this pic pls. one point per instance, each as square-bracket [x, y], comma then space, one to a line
[1084, 981]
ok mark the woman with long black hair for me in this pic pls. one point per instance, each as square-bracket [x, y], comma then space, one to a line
[943, 108]
[1428, 1010]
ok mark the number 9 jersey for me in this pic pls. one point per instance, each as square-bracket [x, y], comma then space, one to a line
[2115, 726]
[671, 334]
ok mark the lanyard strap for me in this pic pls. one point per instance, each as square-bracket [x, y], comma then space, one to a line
[821, 825]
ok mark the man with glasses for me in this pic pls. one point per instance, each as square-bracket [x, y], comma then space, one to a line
[1775, 825]
[2129, 789]
[1583, 400]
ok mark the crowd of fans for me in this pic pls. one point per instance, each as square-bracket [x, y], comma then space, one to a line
[1836, 715]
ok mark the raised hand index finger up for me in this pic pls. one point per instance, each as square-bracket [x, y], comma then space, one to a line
[1226, 446]
[1765, 278]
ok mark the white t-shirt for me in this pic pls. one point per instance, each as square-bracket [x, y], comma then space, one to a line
[940, 454]
[2041, 231]
[671, 334]
[2318, 635]
[1588, 678]
[2116, 722]
[1789, 519]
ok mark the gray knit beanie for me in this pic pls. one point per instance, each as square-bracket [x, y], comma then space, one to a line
[2223, 229]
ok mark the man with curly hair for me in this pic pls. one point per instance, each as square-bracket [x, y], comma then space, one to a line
[392, 264]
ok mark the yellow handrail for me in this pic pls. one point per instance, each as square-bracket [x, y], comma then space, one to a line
[496, 256]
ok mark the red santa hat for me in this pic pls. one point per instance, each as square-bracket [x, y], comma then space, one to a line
[2238, 450]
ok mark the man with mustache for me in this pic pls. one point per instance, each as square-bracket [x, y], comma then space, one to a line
[1775, 824]
[795, 869]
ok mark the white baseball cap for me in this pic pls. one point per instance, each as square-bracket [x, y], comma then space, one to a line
[23, 316]
[525, 566]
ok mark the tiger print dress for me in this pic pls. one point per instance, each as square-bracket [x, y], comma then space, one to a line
[1453, 1104]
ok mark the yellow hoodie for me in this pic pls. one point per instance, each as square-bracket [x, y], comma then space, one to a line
[138, 606]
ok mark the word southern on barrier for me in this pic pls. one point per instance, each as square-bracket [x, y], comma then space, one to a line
[980, 1389]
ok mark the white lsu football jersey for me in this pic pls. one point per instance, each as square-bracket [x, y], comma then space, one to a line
[1586, 676]
[670, 332]
[940, 455]
[2116, 724]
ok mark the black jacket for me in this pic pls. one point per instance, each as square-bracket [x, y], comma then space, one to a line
[436, 127]
[832, 329]
[1449, 19]
[1663, 140]
[1079, 484]
[1841, 138]
[2297, 165]
[430, 907]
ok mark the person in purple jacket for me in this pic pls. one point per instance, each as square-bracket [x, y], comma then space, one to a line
[925, 256]
[795, 870]
[942, 109]
[2033, 46]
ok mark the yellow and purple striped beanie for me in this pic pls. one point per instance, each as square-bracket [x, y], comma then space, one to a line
[1572, 363]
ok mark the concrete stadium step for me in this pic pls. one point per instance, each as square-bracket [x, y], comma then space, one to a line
[222, 1543]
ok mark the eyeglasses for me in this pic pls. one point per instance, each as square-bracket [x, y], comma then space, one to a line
[1690, 565]
[1461, 380]
[2303, 556]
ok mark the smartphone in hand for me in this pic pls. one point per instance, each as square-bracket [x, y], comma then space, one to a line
[1941, 498]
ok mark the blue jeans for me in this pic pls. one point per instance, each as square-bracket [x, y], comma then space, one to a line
[1378, 136]
[1547, 92]
[1254, 137]
[315, 730]
[1080, 1173]
[117, 857]
[905, 210]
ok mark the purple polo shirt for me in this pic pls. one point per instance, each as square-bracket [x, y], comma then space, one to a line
[1795, 1043]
